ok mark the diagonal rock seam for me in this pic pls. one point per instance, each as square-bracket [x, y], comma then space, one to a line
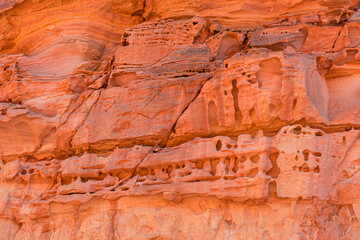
[172, 129]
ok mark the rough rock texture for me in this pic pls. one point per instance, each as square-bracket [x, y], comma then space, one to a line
[149, 119]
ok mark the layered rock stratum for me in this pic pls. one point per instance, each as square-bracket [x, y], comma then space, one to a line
[149, 119]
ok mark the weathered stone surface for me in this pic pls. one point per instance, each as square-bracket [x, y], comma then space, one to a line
[151, 119]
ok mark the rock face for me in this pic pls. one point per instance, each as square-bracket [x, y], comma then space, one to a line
[151, 119]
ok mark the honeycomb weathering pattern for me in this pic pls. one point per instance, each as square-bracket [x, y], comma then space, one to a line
[151, 119]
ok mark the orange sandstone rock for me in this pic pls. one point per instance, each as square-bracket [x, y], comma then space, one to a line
[150, 119]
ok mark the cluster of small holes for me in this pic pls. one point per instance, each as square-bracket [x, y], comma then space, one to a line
[167, 32]
[226, 168]
[263, 37]
[311, 162]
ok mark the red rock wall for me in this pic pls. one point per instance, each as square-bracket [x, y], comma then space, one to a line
[149, 119]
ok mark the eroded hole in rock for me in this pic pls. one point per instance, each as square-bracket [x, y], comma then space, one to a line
[242, 159]
[255, 159]
[169, 169]
[235, 94]
[124, 43]
[75, 193]
[252, 173]
[334, 16]
[350, 55]
[306, 154]
[272, 189]
[270, 75]
[123, 174]
[323, 65]
[251, 81]
[294, 104]
[304, 168]
[213, 164]
[143, 172]
[236, 164]
[228, 47]
[317, 154]
[274, 171]
[100, 177]
[299, 41]
[319, 134]
[218, 145]
[297, 130]
[227, 163]
[66, 180]
[199, 164]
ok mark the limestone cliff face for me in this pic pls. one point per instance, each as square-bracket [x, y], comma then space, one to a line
[164, 119]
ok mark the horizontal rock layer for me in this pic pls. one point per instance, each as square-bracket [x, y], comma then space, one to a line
[121, 119]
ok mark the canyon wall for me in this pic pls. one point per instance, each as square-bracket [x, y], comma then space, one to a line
[165, 119]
